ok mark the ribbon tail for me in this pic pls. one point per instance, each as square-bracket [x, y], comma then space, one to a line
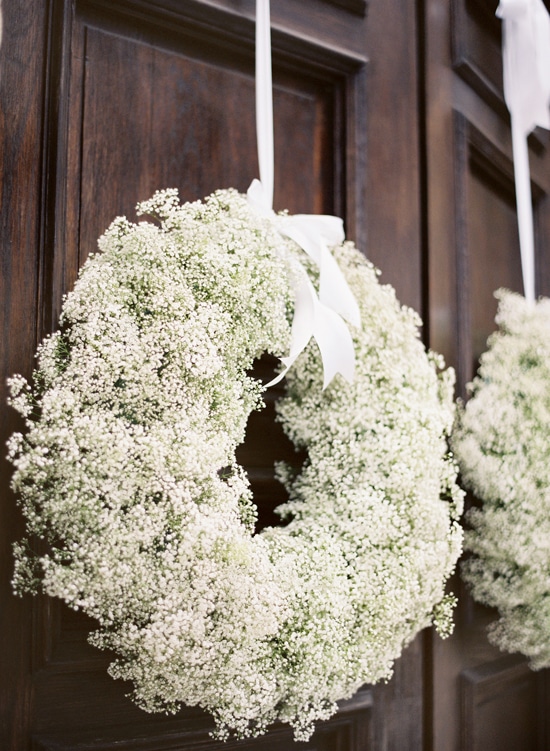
[314, 234]
[334, 290]
[264, 99]
[526, 68]
[524, 209]
[335, 344]
[314, 319]
[302, 326]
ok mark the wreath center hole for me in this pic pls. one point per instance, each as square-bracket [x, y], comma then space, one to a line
[264, 445]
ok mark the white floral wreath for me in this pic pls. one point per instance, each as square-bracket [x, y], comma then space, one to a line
[503, 447]
[128, 471]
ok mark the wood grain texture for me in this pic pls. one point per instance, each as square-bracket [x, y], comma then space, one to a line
[487, 249]
[477, 57]
[392, 199]
[351, 729]
[139, 96]
[393, 241]
[472, 249]
[104, 101]
[500, 707]
[21, 101]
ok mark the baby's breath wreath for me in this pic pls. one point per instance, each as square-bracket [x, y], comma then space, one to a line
[127, 470]
[503, 447]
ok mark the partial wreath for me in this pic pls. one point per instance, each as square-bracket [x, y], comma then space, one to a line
[127, 470]
[503, 447]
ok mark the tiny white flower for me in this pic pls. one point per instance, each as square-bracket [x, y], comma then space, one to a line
[128, 470]
[502, 444]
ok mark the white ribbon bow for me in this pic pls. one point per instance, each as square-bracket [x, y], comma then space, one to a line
[314, 316]
[526, 64]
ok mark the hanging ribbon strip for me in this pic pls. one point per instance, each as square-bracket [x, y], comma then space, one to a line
[264, 101]
[315, 316]
[526, 64]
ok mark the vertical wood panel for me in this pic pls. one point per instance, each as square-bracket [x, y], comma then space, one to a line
[393, 192]
[150, 116]
[487, 241]
[21, 99]
[137, 102]
[350, 731]
[500, 707]
[476, 51]
[393, 218]
[474, 249]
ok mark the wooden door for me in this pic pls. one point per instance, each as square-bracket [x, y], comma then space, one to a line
[483, 699]
[104, 101]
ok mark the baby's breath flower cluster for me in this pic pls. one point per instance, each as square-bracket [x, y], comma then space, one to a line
[128, 471]
[503, 448]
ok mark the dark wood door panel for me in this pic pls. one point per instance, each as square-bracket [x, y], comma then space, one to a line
[487, 239]
[476, 49]
[79, 707]
[22, 54]
[482, 699]
[126, 96]
[500, 701]
[152, 118]
[108, 725]
[141, 96]
[487, 249]
[152, 105]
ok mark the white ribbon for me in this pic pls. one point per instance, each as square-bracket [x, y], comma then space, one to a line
[264, 101]
[317, 317]
[526, 64]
